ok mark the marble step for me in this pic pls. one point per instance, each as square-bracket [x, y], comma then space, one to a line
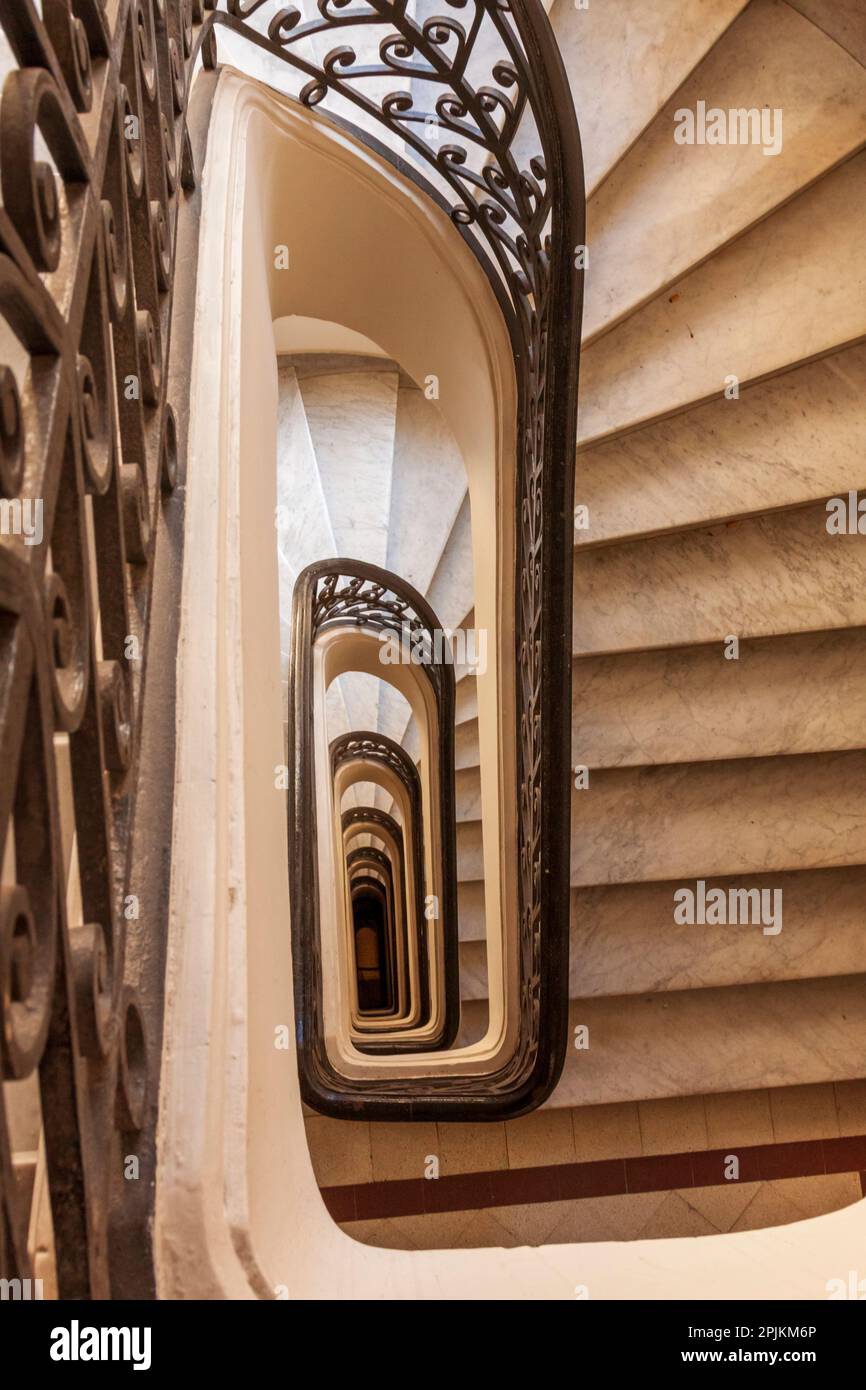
[843, 20]
[782, 443]
[625, 939]
[466, 701]
[804, 693]
[304, 532]
[467, 788]
[466, 750]
[686, 821]
[625, 59]
[703, 1041]
[758, 576]
[667, 206]
[470, 852]
[428, 486]
[451, 590]
[470, 911]
[792, 288]
[696, 820]
[351, 408]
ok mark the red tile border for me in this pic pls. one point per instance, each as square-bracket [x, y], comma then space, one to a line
[558, 1182]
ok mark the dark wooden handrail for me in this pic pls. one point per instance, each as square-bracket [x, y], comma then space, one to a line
[522, 212]
[383, 751]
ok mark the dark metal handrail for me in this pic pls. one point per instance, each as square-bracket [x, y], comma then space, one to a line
[87, 269]
[348, 595]
[523, 216]
[379, 749]
[364, 882]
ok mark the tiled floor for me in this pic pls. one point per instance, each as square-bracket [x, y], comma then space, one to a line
[354, 1151]
[368, 1158]
[633, 1216]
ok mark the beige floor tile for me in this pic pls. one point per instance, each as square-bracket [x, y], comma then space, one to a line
[383, 1234]
[769, 1207]
[804, 1112]
[530, 1224]
[582, 1222]
[823, 1193]
[340, 1150]
[541, 1138]
[401, 1150]
[678, 1125]
[676, 1218]
[471, 1148]
[434, 1231]
[738, 1117]
[629, 1212]
[605, 1218]
[485, 1232]
[721, 1205]
[851, 1106]
[606, 1131]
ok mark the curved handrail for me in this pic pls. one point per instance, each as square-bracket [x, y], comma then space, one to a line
[378, 748]
[523, 217]
[364, 882]
[444, 1036]
[350, 595]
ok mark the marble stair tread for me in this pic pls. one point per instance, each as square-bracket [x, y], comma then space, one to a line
[625, 940]
[473, 971]
[757, 576]
[467, 794]
[788, 290]
[450, 593]
[677, 203]
[451, 590]
[361, 406]
[470, 852]
[470, 911]
[803, 693]
[782, 443]
[466, 747]
[843, 20]
[304, 532]
[465, 701]
[705, 1041]
[427, 488]
[638, 51]
[693, 820]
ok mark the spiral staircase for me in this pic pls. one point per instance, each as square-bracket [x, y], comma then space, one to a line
[718, 670]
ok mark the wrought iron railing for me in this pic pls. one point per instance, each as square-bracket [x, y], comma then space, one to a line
[363, 865]
[395, 874]
[382, 751]
[501, 154]
[95, 161]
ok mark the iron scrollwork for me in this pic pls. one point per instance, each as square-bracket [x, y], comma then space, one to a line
[94, 157]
